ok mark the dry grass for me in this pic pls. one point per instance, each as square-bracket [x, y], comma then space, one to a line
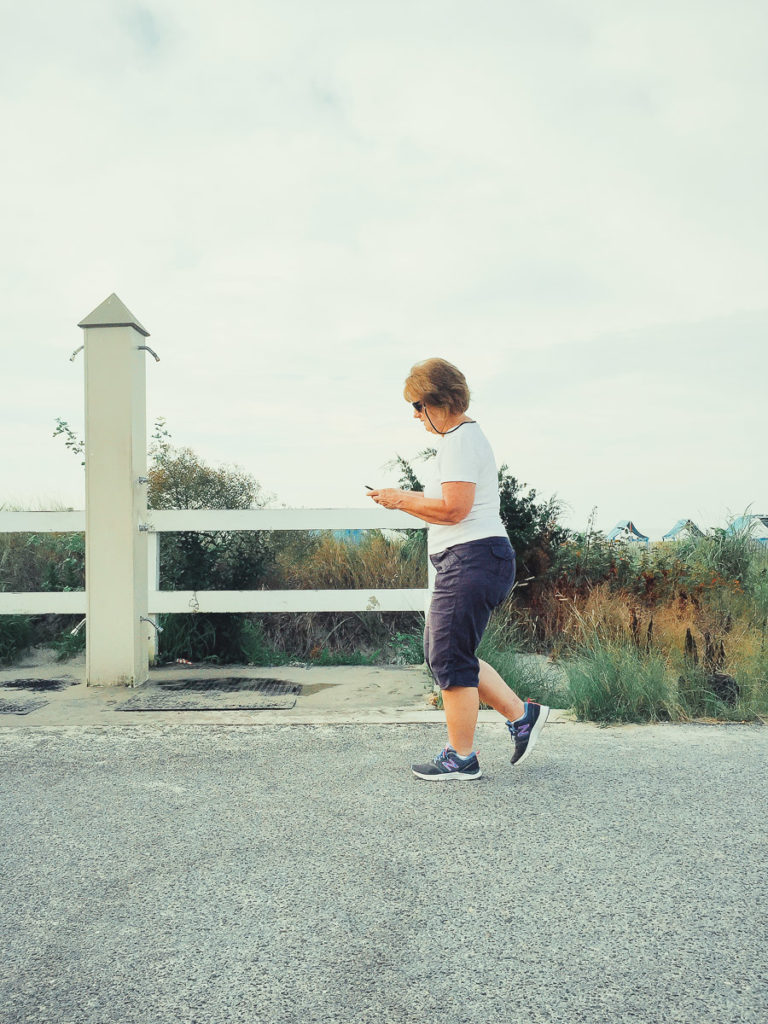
[326, 562]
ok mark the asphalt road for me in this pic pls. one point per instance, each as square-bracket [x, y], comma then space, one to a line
[298, 873]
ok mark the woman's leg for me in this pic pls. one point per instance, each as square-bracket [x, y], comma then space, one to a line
[464, 597]
[461, 704]
[494, 691]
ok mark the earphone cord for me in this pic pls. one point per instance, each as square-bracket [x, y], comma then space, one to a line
[442, 433]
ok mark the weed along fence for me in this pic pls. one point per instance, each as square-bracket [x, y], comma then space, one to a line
[122, 551]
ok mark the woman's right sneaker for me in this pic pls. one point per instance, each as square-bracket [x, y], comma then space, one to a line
[526, 730]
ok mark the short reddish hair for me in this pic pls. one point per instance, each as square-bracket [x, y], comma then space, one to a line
[437, 382]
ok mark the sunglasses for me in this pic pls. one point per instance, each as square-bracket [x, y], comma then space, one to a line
[418, 406]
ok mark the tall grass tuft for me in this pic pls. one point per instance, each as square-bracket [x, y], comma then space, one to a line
[722, 553]
[614, 681]
[751, 672]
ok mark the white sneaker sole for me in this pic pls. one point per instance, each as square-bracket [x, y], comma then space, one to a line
[541, 721]
[461, 776]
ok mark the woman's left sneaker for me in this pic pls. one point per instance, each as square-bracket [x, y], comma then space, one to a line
[526, 731]
[448, 765]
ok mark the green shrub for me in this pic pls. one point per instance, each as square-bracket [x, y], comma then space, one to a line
[256, 647]
[650, 573]
[66, 645]
[217, 560]
[15, 637]
[407, 648]
[201, 637]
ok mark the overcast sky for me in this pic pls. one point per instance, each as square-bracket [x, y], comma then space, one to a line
[299, 200]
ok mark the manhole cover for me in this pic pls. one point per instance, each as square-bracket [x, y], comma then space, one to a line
[10, 707]
[232, 694]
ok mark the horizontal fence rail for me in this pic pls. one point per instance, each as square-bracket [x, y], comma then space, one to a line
[218, 601]
[71, 602]
[216, 520]
[179, 601]
[42, 522]
[210, 520]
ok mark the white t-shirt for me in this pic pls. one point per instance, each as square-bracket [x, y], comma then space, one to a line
[465, 454]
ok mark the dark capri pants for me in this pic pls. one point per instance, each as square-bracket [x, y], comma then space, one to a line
[472, 579]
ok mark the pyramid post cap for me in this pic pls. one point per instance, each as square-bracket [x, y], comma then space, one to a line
[113, 313]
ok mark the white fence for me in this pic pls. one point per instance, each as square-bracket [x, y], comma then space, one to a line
[209, 520]
[122, 580]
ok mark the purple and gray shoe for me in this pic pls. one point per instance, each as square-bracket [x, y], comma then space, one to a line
[448, 765]
[526, 731]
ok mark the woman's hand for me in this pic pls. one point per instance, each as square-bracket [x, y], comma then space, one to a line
[455, 504]
[389, 497]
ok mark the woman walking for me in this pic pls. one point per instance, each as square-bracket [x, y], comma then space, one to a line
[475, 571]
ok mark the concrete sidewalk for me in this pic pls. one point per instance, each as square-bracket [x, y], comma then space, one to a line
[172, 872]
[379, 693]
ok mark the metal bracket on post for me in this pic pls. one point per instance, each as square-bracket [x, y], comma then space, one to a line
[152, 352]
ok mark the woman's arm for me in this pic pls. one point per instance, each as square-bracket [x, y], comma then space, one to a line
[455, 504]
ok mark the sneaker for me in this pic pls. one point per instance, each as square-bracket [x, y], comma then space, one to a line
[525, 733]
[448, 765]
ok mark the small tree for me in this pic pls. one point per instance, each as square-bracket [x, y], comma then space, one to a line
[219, 560]
[415, 546]
[408, 480]
[532, 526]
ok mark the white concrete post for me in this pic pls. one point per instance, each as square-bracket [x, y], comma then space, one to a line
[115, 500]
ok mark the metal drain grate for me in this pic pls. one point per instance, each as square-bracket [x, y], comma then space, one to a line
[39, 684]
[21, 707]
[232, 694]
[276, 687]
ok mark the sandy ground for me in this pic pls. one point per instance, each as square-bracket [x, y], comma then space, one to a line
[334, 694]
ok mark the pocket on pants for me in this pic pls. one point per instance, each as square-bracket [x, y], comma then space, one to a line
[445, 560]
[506, 571]
[503, 557]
